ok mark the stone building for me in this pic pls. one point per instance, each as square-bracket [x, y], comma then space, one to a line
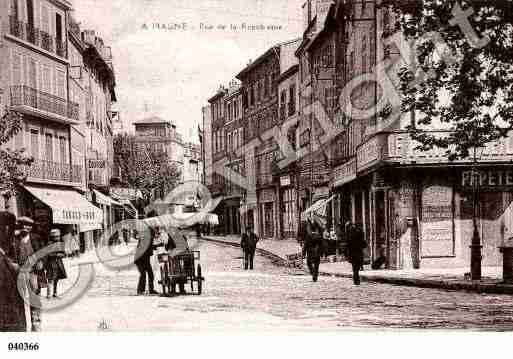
[34, 80]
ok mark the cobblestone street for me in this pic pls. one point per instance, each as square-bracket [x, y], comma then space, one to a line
[272, 297]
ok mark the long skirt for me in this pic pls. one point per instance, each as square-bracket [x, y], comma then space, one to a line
[55, 269]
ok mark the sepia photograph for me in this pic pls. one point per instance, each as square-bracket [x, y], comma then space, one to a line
[253, 166]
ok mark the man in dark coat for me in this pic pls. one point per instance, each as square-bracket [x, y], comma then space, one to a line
[313, 248]
[251, 245]
[142, 261]
[12, 305]
[355, 247]
[243, 245]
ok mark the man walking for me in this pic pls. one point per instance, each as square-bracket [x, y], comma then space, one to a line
[355, 248]
[248, 243]
[243, 245]
[313, 248]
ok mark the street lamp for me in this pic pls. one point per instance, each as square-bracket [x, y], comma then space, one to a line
[475, 247]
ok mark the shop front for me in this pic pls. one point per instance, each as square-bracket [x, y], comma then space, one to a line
[267, 213]
[60, 208]
[289, 213]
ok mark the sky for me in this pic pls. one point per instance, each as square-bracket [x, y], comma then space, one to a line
[172, 72]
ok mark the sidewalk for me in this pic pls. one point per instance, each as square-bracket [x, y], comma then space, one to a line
[280, 250]
[442, 278]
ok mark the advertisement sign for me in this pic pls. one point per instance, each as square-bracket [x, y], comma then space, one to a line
[285, 181]
[437, 233]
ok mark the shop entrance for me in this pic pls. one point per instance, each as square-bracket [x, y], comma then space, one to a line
[268, 220]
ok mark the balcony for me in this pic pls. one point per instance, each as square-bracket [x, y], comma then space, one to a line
[32, 35]
[400, 148]
[46, 41]
[282, 112]
[292, 108]
[265, 179]
[55, 172]
[40, 103]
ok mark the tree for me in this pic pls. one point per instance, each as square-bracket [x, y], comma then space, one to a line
[13, 163]
[461, 78]
[144, 168]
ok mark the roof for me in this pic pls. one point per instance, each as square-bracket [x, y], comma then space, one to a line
[152, 120]
[290, 71]
[262, 57]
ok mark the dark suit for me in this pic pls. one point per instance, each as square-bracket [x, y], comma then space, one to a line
[355, 248]
[312, 249]
[142, 261]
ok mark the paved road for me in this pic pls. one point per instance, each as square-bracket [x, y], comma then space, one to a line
[273, 297]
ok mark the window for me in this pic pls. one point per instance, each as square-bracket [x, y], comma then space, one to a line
[45, 19]
[58, 27]
[364, 54]
[292, 100]
[63, 149]
[30, 13]
[49, 147]
[283, 97]
[34, 144]
[16, 70]
[32, 73]
[61, 86]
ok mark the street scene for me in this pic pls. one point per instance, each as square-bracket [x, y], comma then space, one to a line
[276, 298]
[240, 165]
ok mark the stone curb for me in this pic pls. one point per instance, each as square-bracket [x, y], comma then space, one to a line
[274, 257]
[488, 288]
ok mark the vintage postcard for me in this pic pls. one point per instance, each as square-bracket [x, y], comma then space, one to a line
[255, 165]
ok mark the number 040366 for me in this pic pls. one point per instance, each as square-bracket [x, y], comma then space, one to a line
[23, 346]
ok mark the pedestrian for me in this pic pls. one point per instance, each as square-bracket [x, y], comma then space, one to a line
[313, 248]
[251, 245]
[55, 270]
[24, 251]
[355, 247]
[243, 245]
[12, 305]
[143, 256]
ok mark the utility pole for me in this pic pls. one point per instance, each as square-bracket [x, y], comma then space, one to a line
[475, 248]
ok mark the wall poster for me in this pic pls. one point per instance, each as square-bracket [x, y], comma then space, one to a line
[437, 222]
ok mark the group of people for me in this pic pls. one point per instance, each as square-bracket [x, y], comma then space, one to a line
[19, 242]
[159, 241]
[314, 246]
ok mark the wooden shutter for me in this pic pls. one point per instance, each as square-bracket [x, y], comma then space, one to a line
[16, 70]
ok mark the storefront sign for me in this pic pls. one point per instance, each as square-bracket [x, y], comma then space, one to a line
[368, 153]
[490, 178]
[96, 164]
[437, 222]
[285, 181]
[266, 195]
[126, 193]
[344, 173]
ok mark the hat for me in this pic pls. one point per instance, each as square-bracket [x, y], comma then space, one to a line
[55, 233]
[26, 221]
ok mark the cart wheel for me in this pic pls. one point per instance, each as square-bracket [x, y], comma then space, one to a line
[200, 279]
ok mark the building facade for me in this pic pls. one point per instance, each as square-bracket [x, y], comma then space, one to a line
[34, 78]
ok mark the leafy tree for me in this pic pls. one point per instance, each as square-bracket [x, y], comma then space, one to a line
[461, 78]
[13, 163]
[144, 168]
[466, 79]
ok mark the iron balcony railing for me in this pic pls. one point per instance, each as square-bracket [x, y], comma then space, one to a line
[22, 95]
[52, 171]
[46, 41]
[292, 108]
[30, 33]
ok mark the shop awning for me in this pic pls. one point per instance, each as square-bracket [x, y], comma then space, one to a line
[68, 207]
[318, 208]
[105, 200]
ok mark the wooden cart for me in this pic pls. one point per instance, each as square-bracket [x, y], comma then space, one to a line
[178, 270]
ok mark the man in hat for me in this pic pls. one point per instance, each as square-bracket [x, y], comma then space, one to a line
[24, 250]
[55, 267]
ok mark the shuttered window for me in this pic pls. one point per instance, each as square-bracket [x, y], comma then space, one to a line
[60, 84]
[34, 143]
[16, 70]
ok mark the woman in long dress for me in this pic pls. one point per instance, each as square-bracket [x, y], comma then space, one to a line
[55, 267]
